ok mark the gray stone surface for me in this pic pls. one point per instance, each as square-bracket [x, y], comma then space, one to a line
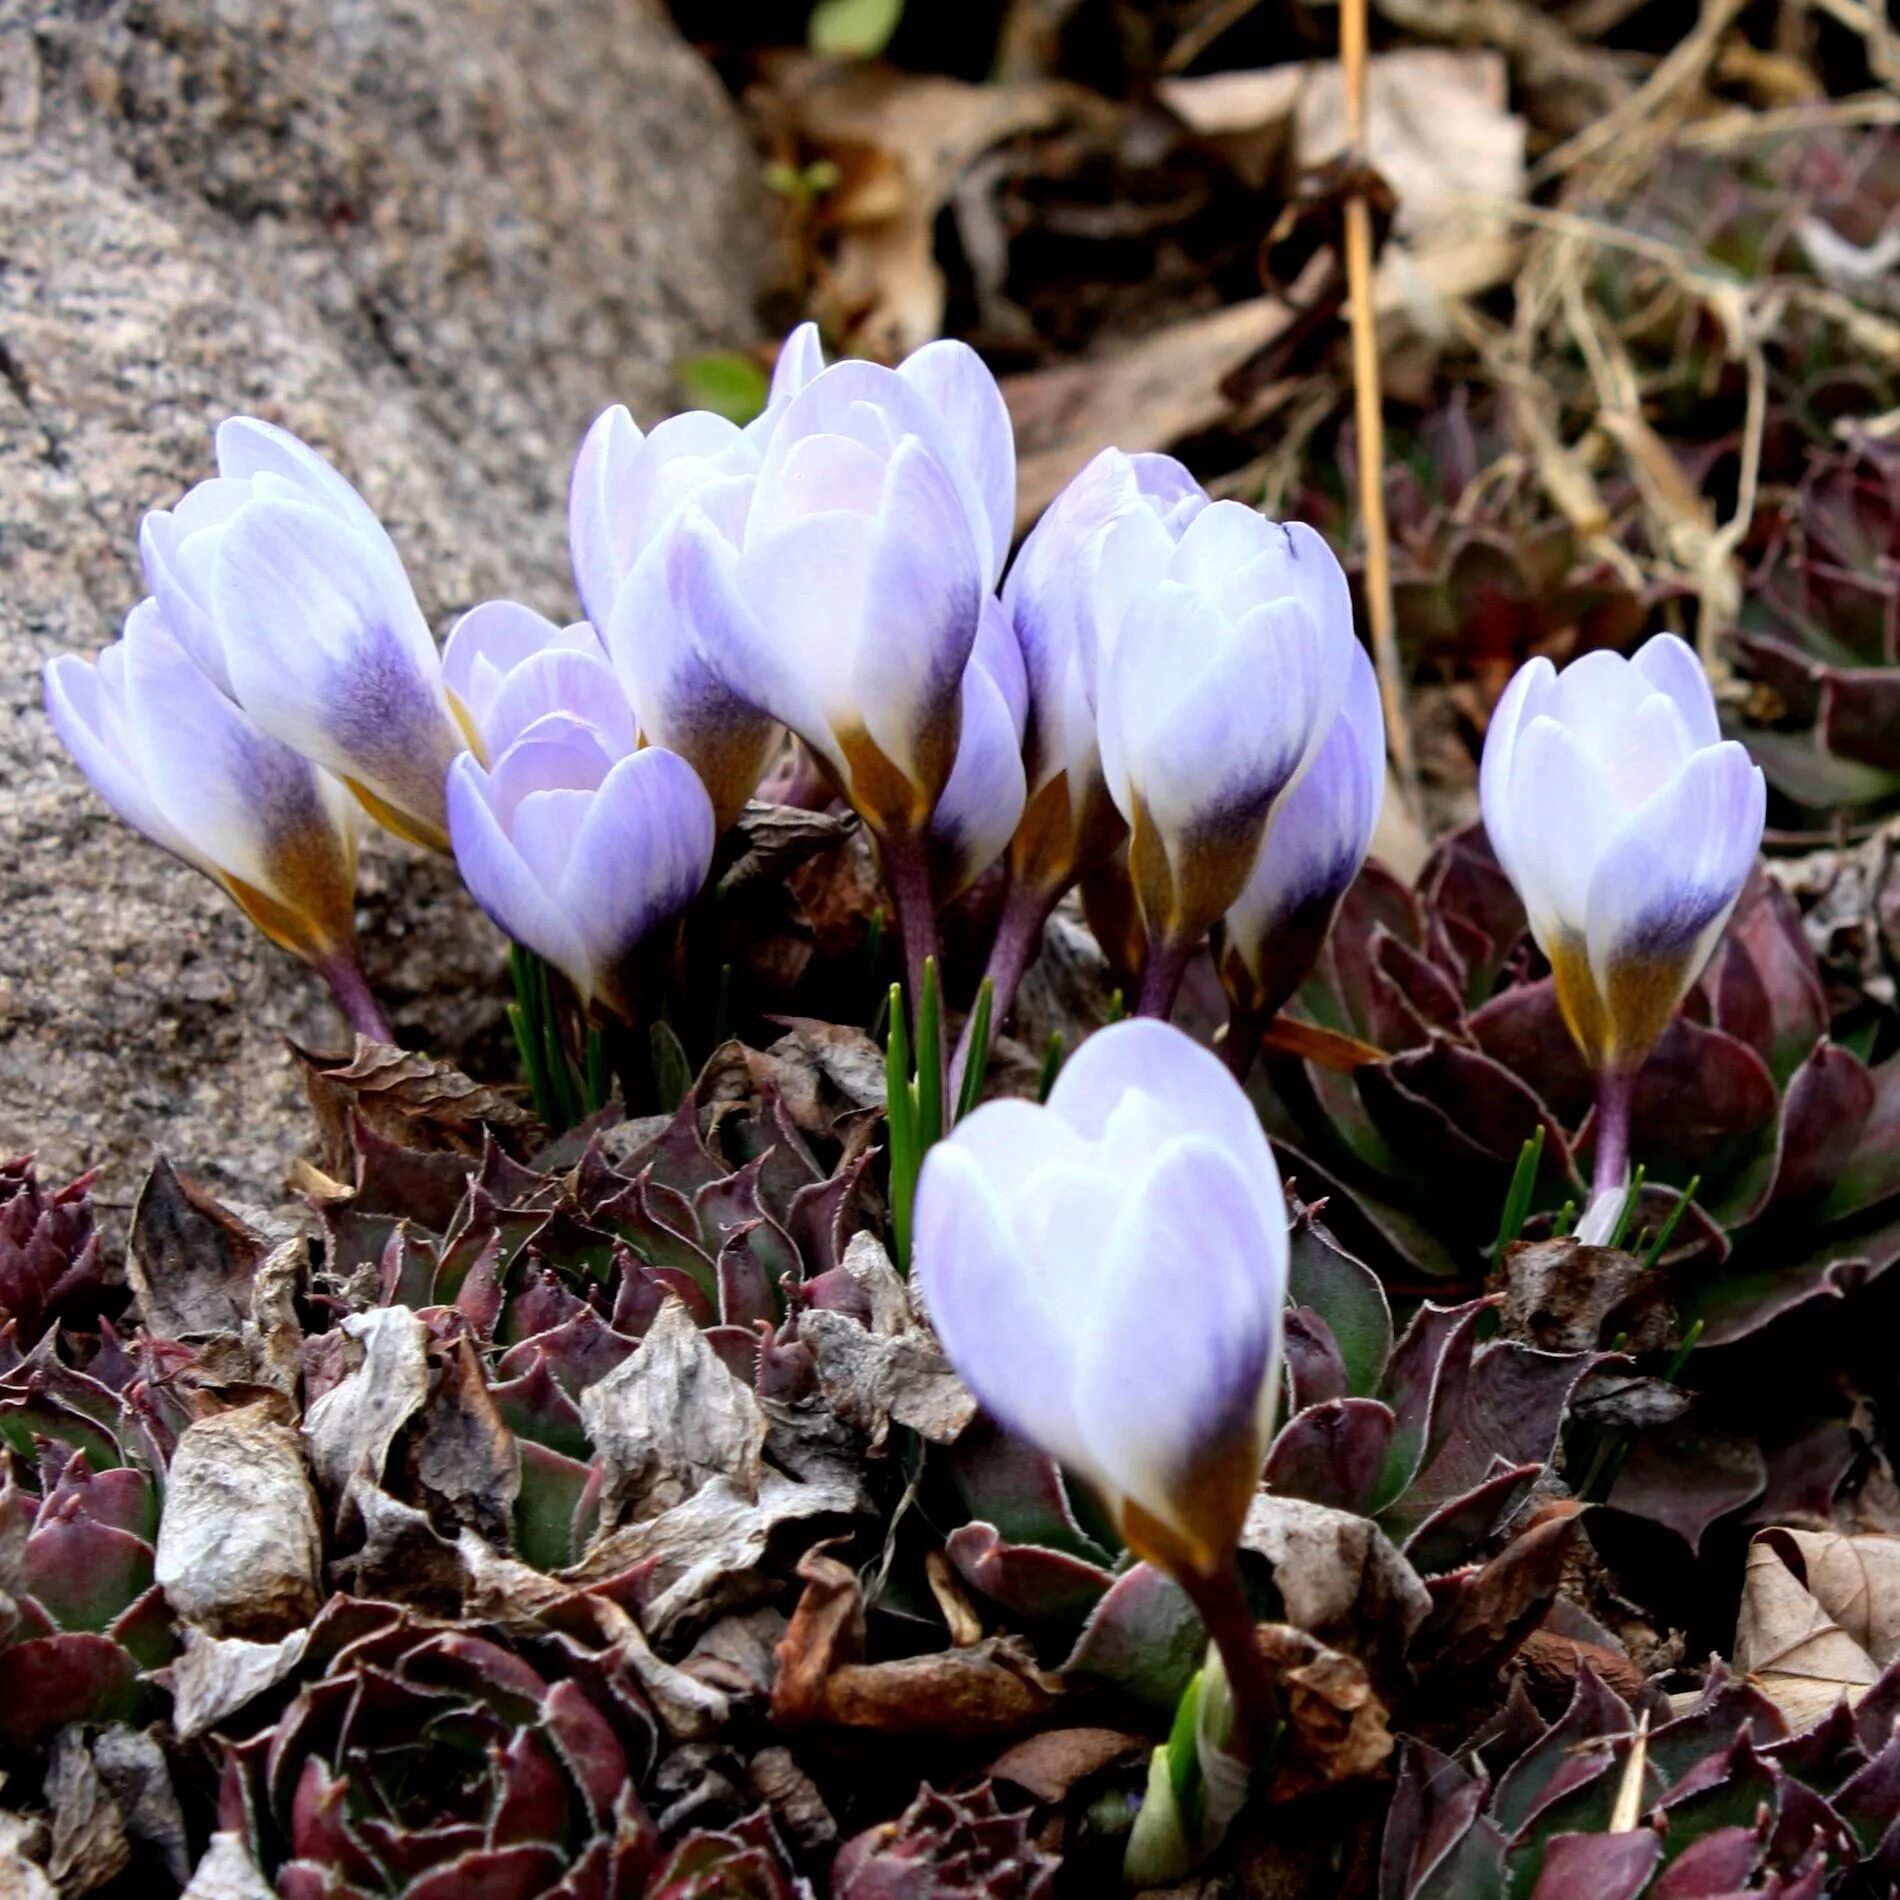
[432, 236]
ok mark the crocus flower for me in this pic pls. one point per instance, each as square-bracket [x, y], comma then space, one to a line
[279, 581]
[178, 761]
[850, 612]
[1628, 825]
[581, 850]
[1107, 1273]
[1218, 682]
[1273, 931]
[1055, 596]
[983, 800]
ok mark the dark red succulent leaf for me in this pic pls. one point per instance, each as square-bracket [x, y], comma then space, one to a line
[946, 1847]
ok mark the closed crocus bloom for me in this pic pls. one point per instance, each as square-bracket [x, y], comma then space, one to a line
[1628, 825]
[850, 613]
[487, 645]
[180, 762]
[1218, 682]
[973, 431]
[581, 851]
[1273, 931]
[983, 801]
[281, 583]
[1054, 597]
[1108, 1274]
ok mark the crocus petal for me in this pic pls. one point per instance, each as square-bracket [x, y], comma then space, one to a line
[1671, 667]
[983, 800]
[923, 600]
[498, 878]
[682, 699]
[1665, 885]
[329, 652]
[260, 813]
[1193, 1092]
[605, 452]
[981, 1289]
[958, 385]
[1314, 848]
[490, 641]
[560, 679]
[1174, 1381]
[252, 450]
[800, 359]
[1559, 815]
[1520, 702]
[643, 852]
[865, 403]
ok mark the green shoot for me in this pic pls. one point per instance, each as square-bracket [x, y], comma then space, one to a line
[1517, 1203]
[1627, 1212]
[1659, 1245]
[672, 1072]
[1051, 1067]
[972, 1091]
[913, 1101]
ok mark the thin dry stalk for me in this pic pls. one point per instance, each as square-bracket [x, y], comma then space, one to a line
[1369, 411]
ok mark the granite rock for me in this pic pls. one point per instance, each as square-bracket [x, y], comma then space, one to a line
[433, 237]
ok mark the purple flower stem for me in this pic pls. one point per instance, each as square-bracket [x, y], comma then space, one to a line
[1615, 1093]
[357, 1001]
[1223, 1607]
[1017, 943]
[1167, 963]
[907, 875]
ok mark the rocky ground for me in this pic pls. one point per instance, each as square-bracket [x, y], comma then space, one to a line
[434, 237]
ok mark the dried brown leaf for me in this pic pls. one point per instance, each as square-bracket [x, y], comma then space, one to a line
[1336, 1724]
[215, 1676]
[989, 1688]
[1820, 1617]
[1050, 1765]
[240, 1546]
[668, 1421]
[191, 1261]
[351, 1428]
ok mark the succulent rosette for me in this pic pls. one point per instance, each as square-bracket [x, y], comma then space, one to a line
[52, 1255]
[1820, 638]
[1720, 1799]
[546, 1741]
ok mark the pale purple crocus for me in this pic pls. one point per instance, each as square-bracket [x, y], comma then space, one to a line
[580, 848]
[1107, 536]
[280, 582]
[1273, 932]
[179, 761]
[1628, 825]
[1108, 1275]
[850, 610]
[1219, 680]
[982, 802]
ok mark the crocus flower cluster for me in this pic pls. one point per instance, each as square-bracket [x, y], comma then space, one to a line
[1159, 671]
[1628, 825]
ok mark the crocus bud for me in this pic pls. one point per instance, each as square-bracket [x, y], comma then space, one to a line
[1055, 598]
[579, 851]
[1628, 825]
[983, 801]
[281, 583]
[973, 430]
[851, 612]
[1108, 1273]
[1218, 682]
[487, 645]
[180, 762]
[1273, 931]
